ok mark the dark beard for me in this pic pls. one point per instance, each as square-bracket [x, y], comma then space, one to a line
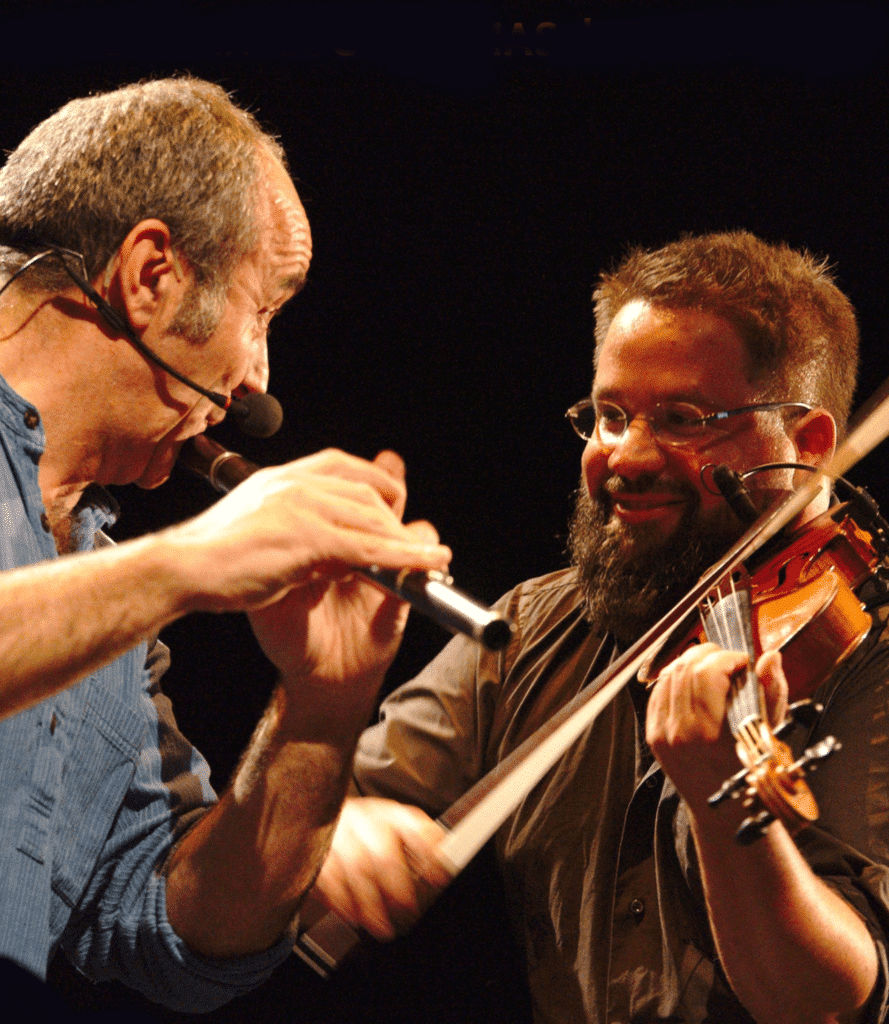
[630, 575]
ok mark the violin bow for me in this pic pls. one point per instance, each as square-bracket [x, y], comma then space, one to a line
[473, 819]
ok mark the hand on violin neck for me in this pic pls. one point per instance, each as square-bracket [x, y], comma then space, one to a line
[686, 723]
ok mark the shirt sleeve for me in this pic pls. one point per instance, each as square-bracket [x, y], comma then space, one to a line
[119, 928]
[426, 748]
[848, 846]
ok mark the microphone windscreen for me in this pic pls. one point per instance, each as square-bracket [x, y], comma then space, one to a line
[257, 414]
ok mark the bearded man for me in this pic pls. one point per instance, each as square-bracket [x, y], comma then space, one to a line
[633, 899]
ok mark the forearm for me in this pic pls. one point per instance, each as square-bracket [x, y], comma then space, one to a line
[236, 881]
[61, 620]
[792, 949]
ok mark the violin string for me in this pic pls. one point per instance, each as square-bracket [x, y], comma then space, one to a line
[756, 694]
[726, 624]
[744, 691]
[711, 625]
[722, 622]
[716, 629]
[732, 631]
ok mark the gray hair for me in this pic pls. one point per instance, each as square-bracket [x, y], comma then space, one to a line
[178, 150]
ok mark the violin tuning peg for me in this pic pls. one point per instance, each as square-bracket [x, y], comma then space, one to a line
[817, 752]
[731, 787]
[753, 828]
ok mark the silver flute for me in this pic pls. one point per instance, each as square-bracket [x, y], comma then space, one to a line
[429, 591]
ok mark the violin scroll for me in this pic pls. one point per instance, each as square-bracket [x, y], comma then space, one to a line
[803, 713]
[775, 788]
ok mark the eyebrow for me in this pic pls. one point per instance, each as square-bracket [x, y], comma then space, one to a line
[615, 396]
[293, 284]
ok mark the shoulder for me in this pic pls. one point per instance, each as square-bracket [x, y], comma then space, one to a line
[544, 599]
[544, 611]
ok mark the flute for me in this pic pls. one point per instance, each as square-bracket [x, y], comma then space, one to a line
[429, 591]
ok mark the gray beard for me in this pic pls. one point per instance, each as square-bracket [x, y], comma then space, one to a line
[631, 576]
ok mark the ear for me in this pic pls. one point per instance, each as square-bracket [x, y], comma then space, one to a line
[814, 436]
[147, 275]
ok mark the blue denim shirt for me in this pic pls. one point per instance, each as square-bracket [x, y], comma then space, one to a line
[96, 785]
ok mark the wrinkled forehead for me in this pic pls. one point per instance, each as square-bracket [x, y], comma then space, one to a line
[285, 236]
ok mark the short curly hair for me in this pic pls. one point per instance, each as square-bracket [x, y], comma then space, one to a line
[799, 328]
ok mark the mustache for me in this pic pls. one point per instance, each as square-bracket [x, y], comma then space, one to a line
[614, 486]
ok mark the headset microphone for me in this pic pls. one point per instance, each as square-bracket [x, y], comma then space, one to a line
[256, 414]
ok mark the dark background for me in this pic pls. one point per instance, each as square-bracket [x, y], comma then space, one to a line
[465, 184]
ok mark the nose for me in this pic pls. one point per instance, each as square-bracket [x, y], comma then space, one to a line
[257, 376]
[637, 452]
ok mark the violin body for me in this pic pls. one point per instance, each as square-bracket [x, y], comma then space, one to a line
[800, 600]
[804, 602]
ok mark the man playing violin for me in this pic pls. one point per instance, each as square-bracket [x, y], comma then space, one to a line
[631, 894]
[147, 238]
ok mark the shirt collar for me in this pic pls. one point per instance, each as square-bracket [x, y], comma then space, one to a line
[97, 509]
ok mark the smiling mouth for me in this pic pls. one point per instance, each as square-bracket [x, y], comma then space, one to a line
[637, 508]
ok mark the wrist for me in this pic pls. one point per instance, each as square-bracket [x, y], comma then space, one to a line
[148, 573]
[326, 711]
[190, 570]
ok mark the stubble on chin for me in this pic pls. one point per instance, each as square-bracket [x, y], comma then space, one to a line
[630, 574]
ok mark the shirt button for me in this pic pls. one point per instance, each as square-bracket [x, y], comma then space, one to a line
[32, 418]
[651, 781]
[44, 521]
[637, 909]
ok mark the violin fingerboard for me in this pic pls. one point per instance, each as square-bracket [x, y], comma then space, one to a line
[727, 622]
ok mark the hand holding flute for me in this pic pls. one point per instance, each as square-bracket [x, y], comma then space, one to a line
[429, 591]
[282, 547]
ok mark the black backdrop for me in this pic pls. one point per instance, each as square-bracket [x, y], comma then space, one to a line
[467, 171]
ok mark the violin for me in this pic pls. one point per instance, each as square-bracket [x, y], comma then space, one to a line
[802, 601]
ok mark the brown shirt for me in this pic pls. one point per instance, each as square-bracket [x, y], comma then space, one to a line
[598, 862]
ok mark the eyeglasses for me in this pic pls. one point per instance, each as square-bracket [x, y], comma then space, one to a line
[678, 424]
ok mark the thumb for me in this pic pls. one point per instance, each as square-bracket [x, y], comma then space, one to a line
[771, 674]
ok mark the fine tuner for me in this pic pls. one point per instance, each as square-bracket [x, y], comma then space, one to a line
[429, 591]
